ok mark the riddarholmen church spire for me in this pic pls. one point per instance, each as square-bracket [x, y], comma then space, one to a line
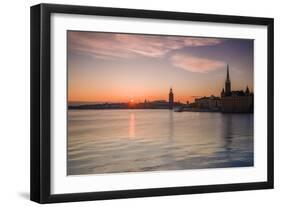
[227, 74]
[235, 101]
[227, 82]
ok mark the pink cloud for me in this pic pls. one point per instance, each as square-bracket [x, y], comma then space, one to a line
[109, 45]
[97, 44]
[196, 64]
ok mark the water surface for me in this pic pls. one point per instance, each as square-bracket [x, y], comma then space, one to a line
[108, 141]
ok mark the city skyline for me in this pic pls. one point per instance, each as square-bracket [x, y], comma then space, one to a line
[114, 67]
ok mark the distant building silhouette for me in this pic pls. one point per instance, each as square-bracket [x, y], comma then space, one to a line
[171, 99]
[230, 102]
[227, 82]
[235, 101]
[247, 91]
[212, 103]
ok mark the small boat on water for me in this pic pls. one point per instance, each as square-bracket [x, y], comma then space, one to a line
[178, 109]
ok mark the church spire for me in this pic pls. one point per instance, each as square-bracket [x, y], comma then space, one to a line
[227, 73]
[227, 82]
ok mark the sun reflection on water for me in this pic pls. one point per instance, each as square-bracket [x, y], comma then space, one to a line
[132, 126]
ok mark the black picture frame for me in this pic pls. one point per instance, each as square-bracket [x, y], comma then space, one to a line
[40, 184]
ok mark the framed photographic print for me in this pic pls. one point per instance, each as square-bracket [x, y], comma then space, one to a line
[133, 103]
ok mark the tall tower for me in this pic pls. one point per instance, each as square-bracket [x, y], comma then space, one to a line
[227, 83]
[222, 93]
[171, 99]
[247, 91]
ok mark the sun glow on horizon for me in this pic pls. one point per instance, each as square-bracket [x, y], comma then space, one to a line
[131, 102]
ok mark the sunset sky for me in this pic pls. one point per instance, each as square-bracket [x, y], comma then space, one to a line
[114, 67]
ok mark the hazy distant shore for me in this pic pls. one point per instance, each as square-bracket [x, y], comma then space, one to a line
[176, 109]
[90, 107]
[148, 105]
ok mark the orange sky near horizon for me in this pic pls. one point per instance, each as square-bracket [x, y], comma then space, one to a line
[126, 98]
[112, 67]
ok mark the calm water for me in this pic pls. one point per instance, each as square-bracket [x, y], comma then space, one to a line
[107, 141]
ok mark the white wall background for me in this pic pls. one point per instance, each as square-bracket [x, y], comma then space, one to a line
[14, 103]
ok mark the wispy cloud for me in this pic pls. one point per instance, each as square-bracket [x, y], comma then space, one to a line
[196, 64]
[109, 45]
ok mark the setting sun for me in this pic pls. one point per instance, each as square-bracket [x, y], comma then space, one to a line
[131, 102]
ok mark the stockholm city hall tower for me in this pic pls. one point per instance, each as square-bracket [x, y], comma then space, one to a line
[171, 99]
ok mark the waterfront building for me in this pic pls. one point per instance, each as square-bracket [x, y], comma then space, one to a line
[236, 101]
[202, 102]
[212, 102]
[171, 99]
[159, 104]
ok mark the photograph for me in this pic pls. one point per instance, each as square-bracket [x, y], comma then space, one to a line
[151, 102]
[133, 103]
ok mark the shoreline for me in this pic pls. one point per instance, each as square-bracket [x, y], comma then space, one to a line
[184, 110]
